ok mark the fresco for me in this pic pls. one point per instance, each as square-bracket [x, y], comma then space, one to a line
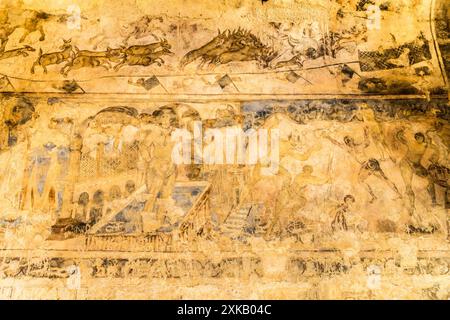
[232, 149]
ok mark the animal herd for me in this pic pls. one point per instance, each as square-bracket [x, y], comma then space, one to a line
[237, 45]
[74, 58]
[228, 46]
[33, 21]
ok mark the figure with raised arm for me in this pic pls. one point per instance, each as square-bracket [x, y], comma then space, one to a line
[368, 166]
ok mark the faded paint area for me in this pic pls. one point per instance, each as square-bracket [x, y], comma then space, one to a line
[349, 199]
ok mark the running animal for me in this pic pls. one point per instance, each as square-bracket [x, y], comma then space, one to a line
[57, 57]
[92, 59]
[143, 60]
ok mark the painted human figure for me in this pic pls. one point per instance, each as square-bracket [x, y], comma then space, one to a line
[26, 198]
[439, 175]
[339, 222]
[189, 119]
[58, 151]
[424, 159]
[292, 198]
[281, 185]
[412, 162]
[368, 167]
[155, 152]
[375, 130]
[439, 170]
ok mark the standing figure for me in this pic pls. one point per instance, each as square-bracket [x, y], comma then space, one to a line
[439, 175]
[26, 198]
[438, 171]
[411, 163]
[415, 163]
[57, 150]
[339, 222]
[155, 152]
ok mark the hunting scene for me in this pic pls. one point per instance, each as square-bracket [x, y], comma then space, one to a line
[327, 46]
[238, 150]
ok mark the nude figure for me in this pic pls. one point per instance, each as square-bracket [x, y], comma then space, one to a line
[368, 166]
[155, 151]
[339, 222]
[412, 162]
